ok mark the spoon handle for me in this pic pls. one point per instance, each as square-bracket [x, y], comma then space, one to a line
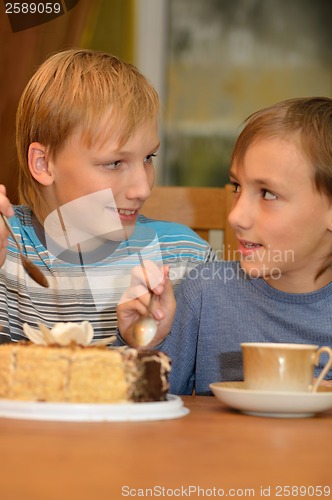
[145, 273]
[9, 227]
[29, 267]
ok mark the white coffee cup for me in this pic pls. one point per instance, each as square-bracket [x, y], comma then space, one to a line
[283, 367]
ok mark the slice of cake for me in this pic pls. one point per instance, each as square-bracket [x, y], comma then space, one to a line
[84, 374]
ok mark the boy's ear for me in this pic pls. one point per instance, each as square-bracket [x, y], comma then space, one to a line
[330, 225]
[329, 221]
[38, 164]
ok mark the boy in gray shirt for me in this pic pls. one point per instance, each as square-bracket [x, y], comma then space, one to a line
[280, 289]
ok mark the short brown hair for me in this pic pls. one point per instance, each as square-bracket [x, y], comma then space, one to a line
[74, 89]
[310, 117]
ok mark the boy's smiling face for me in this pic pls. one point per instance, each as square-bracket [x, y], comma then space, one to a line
[282, 223]
[127, 170]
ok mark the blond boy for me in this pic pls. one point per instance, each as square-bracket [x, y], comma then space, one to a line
[87, 135]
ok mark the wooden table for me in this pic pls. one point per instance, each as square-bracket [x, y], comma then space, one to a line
[213, 448]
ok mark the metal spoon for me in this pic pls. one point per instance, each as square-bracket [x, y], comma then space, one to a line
[145, 328]
[29, 266]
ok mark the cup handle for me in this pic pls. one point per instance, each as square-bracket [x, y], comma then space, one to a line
[326, 368]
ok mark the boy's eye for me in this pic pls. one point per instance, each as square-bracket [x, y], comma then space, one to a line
[149, 158]
[267, 195]
[236, 187]
[112, 165]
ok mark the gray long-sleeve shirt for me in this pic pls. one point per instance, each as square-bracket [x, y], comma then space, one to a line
[218, 308]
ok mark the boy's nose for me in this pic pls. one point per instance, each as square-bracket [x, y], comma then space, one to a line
[140, 184]
[241, 214]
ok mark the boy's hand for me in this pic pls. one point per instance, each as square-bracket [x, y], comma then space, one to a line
[135, 301]
[6, 209]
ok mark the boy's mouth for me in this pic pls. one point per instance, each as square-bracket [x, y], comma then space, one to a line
[249, 244]
[127, 215]
[123, 211]
[247, 248]
[126, 212]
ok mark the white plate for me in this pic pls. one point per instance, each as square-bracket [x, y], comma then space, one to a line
[76, 412]
[272, 404]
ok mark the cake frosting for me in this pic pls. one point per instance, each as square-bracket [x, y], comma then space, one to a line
[63, 365]
[64, 334]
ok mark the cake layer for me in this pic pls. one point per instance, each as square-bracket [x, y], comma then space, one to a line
[82, 374]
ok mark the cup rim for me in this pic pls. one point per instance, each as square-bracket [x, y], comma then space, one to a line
[277, 345]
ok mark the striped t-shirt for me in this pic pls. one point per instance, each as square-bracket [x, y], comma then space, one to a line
[82, 287]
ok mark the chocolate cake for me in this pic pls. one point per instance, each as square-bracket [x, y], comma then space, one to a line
[89, 374]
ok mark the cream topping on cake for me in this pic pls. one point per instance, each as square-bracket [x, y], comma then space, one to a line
[62, 334]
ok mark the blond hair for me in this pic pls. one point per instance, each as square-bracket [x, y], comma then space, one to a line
[92, 91]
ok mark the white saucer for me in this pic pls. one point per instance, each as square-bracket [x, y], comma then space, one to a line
[273, 404]
[84, 412]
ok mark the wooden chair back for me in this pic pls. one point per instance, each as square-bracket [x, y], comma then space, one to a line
[203, 209]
